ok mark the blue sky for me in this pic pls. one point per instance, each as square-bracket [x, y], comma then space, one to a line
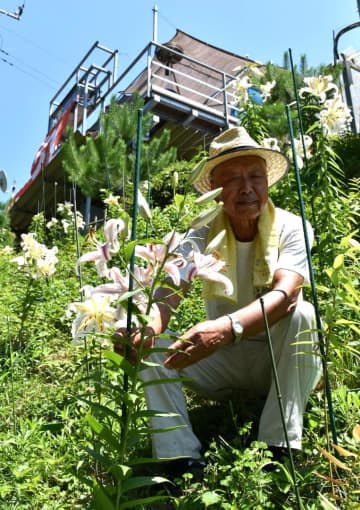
[53, 35]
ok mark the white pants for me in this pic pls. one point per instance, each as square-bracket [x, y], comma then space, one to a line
[245, 366]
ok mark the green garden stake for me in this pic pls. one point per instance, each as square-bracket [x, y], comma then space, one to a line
[79, 269]
[133, 233]
[301, 128]
[312, 282]
[281, 407]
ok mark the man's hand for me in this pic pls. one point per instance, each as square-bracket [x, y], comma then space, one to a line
[123, 340]
[199, 342]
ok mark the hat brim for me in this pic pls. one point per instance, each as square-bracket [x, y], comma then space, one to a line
[277, 166]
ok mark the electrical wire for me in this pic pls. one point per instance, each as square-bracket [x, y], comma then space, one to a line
[35, 45]
[31, 68]
[11, 64]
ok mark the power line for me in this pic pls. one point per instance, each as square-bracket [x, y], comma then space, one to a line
[35, 70]
[35, 45]
[11, 64]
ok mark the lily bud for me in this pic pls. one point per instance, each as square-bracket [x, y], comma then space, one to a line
[207, 197]
[196, 171]
[215, 243]
[144, 208]
[175, 180]
[206, 216]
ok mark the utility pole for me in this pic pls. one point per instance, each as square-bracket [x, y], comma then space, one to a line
[15, 15]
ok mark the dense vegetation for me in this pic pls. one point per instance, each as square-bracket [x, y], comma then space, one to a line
[73, 432]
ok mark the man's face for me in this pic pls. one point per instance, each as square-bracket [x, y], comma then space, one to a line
[245, 187]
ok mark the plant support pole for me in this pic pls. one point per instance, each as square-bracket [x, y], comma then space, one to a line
[312, 282]
[133, 232]
[301, 129]
[281, 407]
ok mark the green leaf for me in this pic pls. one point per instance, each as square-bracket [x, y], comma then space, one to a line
[120, 471]
[128, 250]
[134, 436]
[142, 481]
[179, 201]
[165, 380]
[101, 499]
[103, 409]
[143, 501]
[121, 362]
[147, 413]
[164, 429]
[339, 261]
[101, 459]
[53, 427]
[210, 498]
[103, 432]
[127, 295]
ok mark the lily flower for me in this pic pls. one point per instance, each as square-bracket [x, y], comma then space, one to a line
[299, 150]
[65, 208]
[241, 87]
[51, 223]
[79, 220]
[100, 256]
[209, 267]
[335, 117]
[266, 89]
[6, 250]
[162, 255]
[120, 285]
[270, 143]
[112, 200]
[37, 260]
[65, 224]
[94, 315]
[318, 86]
[113, 228]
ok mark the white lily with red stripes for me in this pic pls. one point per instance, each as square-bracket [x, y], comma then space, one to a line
[113, 229]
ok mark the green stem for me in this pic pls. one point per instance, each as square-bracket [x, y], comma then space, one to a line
[25, 312]
[12, 377]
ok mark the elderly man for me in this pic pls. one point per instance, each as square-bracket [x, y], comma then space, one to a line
[265, 253]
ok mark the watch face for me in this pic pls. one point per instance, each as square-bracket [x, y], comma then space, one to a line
[238, 329]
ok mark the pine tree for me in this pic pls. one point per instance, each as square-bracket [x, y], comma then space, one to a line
[106, 159]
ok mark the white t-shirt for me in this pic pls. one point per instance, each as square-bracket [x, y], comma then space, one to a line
[291, 256]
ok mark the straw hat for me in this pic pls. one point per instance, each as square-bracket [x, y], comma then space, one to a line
[232, 143]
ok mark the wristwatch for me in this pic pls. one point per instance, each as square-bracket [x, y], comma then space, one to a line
[237, 328]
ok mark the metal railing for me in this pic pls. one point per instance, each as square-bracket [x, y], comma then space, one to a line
[183, 81]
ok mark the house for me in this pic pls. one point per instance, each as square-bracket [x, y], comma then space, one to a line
[184, 84]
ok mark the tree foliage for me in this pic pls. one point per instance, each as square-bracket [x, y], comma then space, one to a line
[106, 159]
